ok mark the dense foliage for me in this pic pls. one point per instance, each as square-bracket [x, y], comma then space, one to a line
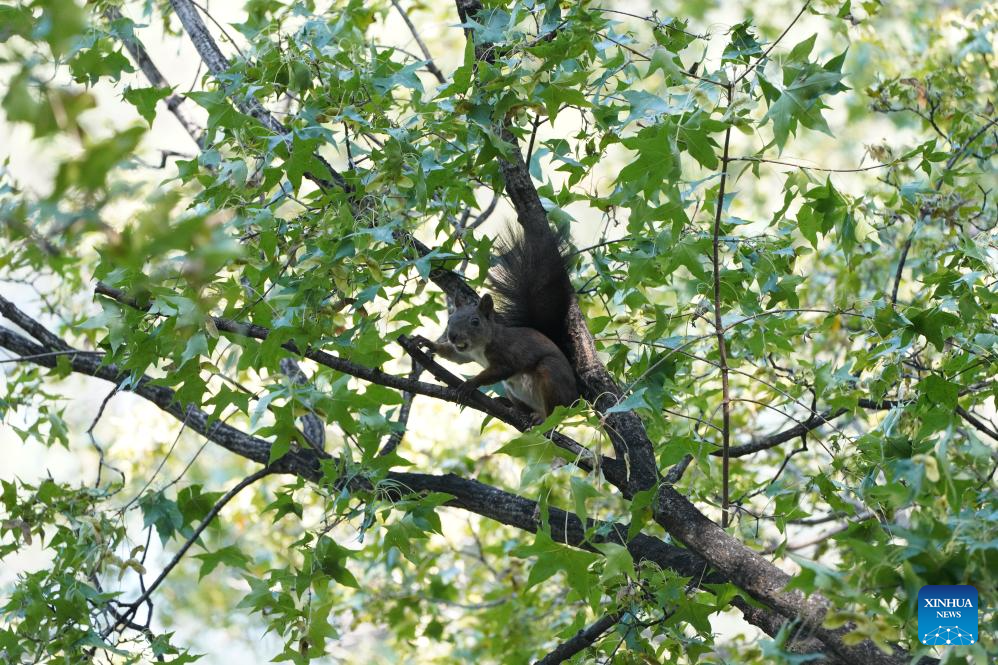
[810, 343]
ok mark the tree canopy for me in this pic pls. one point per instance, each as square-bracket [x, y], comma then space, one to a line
[220, 226]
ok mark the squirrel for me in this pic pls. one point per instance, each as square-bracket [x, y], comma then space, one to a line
[521, 337]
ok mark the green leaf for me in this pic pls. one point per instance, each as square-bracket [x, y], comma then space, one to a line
[196, 347]
[664, 60]
[279, 448]
[635, 400]
[230, 555]
[331, 559]
[162, 513]
[933, 324]
[743, 46]
[618, 561]
[940, 390]
[550, 558]
[581, 491]
[801, 50]
[144, 100]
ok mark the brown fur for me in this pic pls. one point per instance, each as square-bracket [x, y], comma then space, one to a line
[535, 372]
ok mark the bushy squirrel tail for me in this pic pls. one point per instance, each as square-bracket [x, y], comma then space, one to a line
[531, 283]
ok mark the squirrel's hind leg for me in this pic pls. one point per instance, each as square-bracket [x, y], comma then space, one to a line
[535, 417]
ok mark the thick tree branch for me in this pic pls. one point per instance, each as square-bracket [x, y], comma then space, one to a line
[760, 578]
[253, 331]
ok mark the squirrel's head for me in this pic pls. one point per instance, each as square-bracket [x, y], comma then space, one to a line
[469, 325]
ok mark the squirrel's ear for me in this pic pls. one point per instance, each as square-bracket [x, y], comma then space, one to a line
[486, 306]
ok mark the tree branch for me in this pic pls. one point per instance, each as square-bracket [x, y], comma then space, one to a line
[218, 64]
[673, 511]
[430, 65]
[215, 510]
[631, 444]
[581, 640]
[470, 495]
[722, 349]
[773, 440]
[761, 58]
[253, 331]
[612, 470]
[976, 423]
[923, 217]
[141, 57]
[760, 578]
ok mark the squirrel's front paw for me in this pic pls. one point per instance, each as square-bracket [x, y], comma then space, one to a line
[420, 341]
[423, 343]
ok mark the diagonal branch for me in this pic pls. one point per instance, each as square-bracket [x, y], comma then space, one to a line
[430, 65]
[141, 57]
[326, 359]
[773, 440]
[583, 639]
[762, 58]
[215, 510]
[761, 578]
[218, 64]
[976, 422]
[450, 282]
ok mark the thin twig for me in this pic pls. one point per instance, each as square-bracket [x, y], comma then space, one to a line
[430, 65]
[722, 350]
[769, 50]
[93, 440]
[924, 215]
[221, 28]
[533, 136]
[173, 102]
[402, 421]
[976, 423]
[217, 508]
[803, 167]
[74, 352]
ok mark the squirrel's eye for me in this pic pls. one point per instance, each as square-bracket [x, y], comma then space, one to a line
[474, 322]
